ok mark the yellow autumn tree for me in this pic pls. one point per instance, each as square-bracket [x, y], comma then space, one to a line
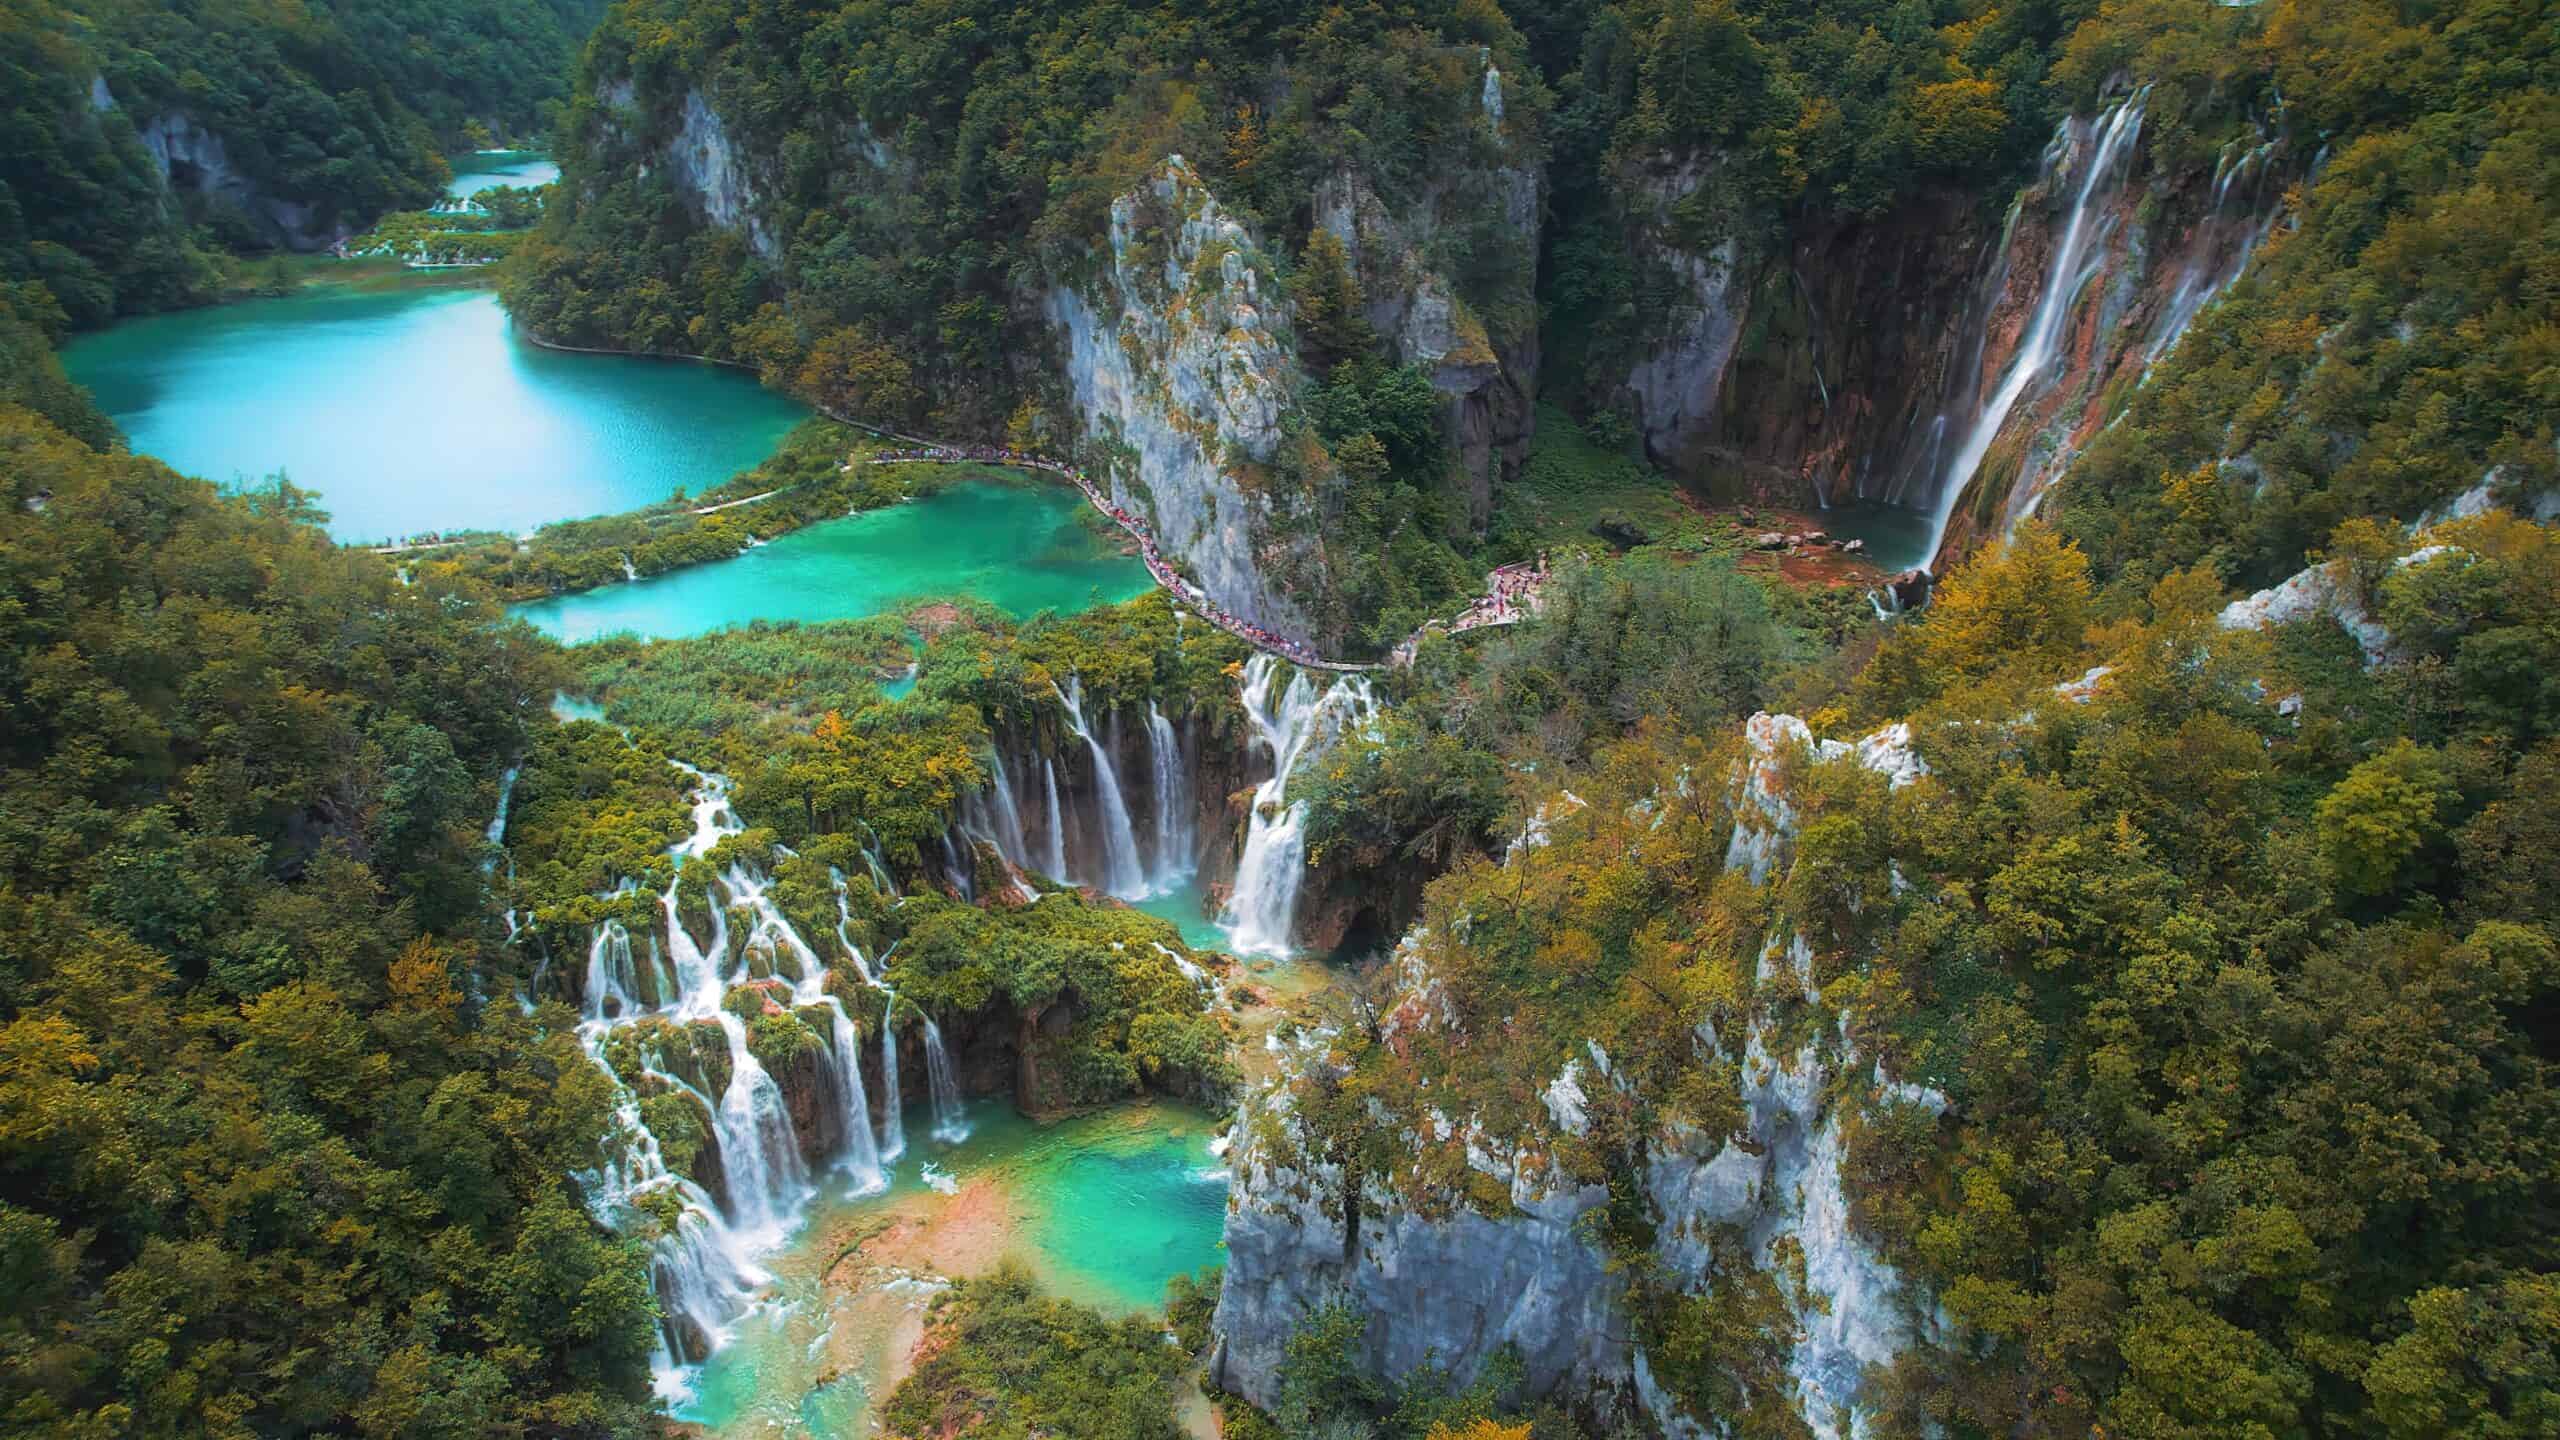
[1481, 1430]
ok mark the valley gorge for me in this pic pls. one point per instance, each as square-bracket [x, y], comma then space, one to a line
[1449, 720]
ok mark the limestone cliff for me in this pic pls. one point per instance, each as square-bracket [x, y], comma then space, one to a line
[1452, 1267]
[1876, 358]
[1487, 215]
[1181, 370]
[195, 165]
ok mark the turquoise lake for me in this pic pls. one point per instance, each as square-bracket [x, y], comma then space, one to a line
[414, 410]
[1022, 548]
[489, 169]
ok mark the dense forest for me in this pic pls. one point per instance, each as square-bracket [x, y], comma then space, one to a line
[144, 142]
[2147, 949]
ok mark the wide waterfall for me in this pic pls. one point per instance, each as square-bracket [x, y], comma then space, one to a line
[2108, 141]
[703, 1258]
[1135, 846]
[1262, 909]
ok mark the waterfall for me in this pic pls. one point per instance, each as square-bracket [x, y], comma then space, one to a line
[1122, 876]
[612, 985]
[893, 1115]
[1008, 833]
[702, 1258]
[862, 1153]
[759, 1151]
[1057, 865]
[506, 791]
[2112, 136]
[699, 1269]
[1177, 846]
[1262, 909]
[950, 1123]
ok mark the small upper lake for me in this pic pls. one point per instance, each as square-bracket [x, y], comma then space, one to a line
[412, 410]
[490, 169]
[1022, 547]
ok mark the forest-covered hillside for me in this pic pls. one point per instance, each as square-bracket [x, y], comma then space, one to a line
[2118, 996]
[140, 140]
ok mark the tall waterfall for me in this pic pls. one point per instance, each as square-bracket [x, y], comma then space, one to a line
[950, 1122]
[1177, 844]
[1008, 817]
[1057, 865]
[893, 1111]
[1262, 910]
[862, 1152]
[1122, 874]
[2111, 139]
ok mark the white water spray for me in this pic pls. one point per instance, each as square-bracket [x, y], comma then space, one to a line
[1177, 844]
[1122, 875]
[950, 1122]
[1262, 910]
[2112, 138]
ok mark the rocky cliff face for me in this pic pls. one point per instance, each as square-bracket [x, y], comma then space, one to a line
[196, 166]
[1505, 1255]
[1486, 374]
[708, 169]
[1181, 370]
[1861, 357]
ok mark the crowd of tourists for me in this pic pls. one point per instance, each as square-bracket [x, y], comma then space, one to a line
[1511, 591]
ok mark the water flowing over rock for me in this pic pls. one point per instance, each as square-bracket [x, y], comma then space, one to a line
[1123, 875]
[645, 996]
[1117, 809]
[2108, 143]
[1442, 1282]
[1292, 722]
[1911, 360]
[950, 1122]
[1176, 823]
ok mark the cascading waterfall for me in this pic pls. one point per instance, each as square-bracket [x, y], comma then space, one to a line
[893, 1119]
[2111, 137]
[1123, 877]
[703, 1258]
[1262, 910]
[759, 1151]
[862, 1152]
[1177, 845]
[950, 1122]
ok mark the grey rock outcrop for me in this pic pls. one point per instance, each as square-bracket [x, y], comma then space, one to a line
[706, 166]
[1450, 1276]
[1488, 381]
[1179, 365]
[194, 162]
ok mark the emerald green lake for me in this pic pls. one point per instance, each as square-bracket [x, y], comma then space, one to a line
[1103, 1207]
[1022, 548]
[416, 410]
[489, 169]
